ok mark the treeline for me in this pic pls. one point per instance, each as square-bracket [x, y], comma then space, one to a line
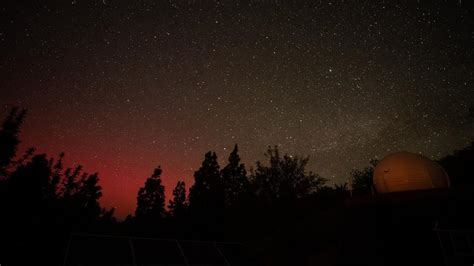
[42, 201]
[36, 186]
[227, 202]
[215, 189]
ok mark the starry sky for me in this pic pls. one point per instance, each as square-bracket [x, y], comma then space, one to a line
[124, 86]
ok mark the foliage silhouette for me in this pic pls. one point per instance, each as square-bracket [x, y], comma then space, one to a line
[9, 138]
[234, 178]
[151, 198]
[42, 201]
[285, 178]
[89, 194]
[27, 186]
[362, 179]
[341, 187]
[178, 205]
[460, 166]
[207, 193]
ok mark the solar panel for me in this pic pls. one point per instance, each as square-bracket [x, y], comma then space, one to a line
[237, 254]
[202, 253]
[157, 252]
[91, 250]
[457, 246]
[95, 250]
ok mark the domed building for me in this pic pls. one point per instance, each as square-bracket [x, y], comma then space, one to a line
[404, 171]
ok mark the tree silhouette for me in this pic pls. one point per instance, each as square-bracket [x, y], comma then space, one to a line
[460, 165]
[9, 138]
[52, 191]
[341, 190]
[26, 156]
[151, 198]
[88, 196]
[28, 183]
[285, 178]
[207, 193]
[362, 179]
[178, 205]
[46, 200]
[40, 200]
[342, 187]
[234, 177]
[70, 182]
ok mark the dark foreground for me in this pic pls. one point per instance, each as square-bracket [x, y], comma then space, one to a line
[412, 228]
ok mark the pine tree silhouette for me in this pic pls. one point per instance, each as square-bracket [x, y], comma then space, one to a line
[207, 193]
[178, 205]
[234, 177]
[151, 198]
[88, 196]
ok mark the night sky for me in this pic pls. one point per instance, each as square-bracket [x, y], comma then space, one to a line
[124, 86]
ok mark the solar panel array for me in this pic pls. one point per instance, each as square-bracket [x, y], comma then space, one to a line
[457, 246]
[91, 250]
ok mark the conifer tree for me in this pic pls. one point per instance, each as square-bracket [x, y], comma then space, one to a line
[178, 205]
[151, 198]
[89, 194]
[234, 177]
[207, 193]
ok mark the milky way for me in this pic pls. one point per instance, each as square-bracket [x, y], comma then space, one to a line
[124, 86]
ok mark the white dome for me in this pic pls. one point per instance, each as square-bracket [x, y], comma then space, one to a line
[404, 171]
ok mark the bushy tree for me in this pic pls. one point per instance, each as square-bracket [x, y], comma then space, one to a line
[70, 182]
[39, 199]
[342, 187]
[27, 185]
[362, 179]
[56, 169]
[460, 165]
[234, 178]
[178, 205]
[151, 198]
[36, 185]
[9, 141]
[285, 178]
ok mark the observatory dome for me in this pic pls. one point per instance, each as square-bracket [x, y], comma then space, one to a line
[404, 171]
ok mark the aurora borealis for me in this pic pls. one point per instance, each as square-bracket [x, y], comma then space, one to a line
[124, 86]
